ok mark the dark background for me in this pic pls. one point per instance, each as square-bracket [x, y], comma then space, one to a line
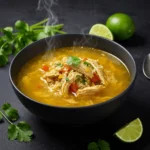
[78, 16]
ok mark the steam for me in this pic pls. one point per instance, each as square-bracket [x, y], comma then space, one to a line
[48, 5]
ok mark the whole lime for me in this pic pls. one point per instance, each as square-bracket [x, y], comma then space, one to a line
[121, 25]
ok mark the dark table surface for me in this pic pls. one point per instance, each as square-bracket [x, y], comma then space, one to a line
[78, 16]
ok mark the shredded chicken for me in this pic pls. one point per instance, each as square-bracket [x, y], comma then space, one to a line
[82, 68]
[98, 69]
[75, 76]
[90, 90]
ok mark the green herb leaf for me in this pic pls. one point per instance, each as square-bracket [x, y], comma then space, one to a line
[12, 132]
[21, 26]
[103, 145]
[28, 42]
[24, 132]
[41, 35]
[67, 79]
[93, 146]
[73, 60]
[10, 112]
[59, 64]
[7, 31]
[6, 106]
[3, 59]
[86, 63]
[6, 48]
[2, 41]
[1, 117]
[13, 42]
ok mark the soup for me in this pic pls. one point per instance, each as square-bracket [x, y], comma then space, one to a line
[73, 76]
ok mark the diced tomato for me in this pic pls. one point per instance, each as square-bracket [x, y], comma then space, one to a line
[73, 87]
[45, 67]
[95, 78]
[84, 59]
[66, 68]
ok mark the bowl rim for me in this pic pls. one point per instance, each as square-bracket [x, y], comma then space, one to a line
[74, 107]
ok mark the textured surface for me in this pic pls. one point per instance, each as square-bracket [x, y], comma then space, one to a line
[78, 16]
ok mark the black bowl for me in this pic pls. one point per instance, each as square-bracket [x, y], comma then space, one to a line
[71, 115]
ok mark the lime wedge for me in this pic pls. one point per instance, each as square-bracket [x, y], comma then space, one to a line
[131, 132]
[101, 30]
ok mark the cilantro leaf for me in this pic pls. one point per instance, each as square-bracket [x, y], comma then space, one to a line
[86, 63]
[24, 132]
[41, 35]
[13, 42]
[59, 64]
[73, 60]
[93, 146]
[1, 117]
[28, 41]
[12, 132]
[67, 79]
[10, 112]
[7, 31]
[6, 106]
[103, 145]
[6, 48]
[21, 26]
[3, 59]
[2, 41]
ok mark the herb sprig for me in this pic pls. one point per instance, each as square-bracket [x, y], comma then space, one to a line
[100, 145]
[73, 60]
[22, 131]
[15, 38]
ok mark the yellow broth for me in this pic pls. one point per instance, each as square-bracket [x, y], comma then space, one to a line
[115, 71]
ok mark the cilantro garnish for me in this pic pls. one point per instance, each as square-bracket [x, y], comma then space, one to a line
[100, 145]
[15, 38]
[103, 145]
[59, 64]
[10, 112]
[22, 131]
[93, 146]
[67, 79]
[73, 60]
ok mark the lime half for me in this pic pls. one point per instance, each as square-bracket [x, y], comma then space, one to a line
[101, 30]
[131, 132]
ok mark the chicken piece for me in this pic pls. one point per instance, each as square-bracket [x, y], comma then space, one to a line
[66, 84]
[89, 90]
[82, 68]
[55, 87]
[98, 69]
[51, 76]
